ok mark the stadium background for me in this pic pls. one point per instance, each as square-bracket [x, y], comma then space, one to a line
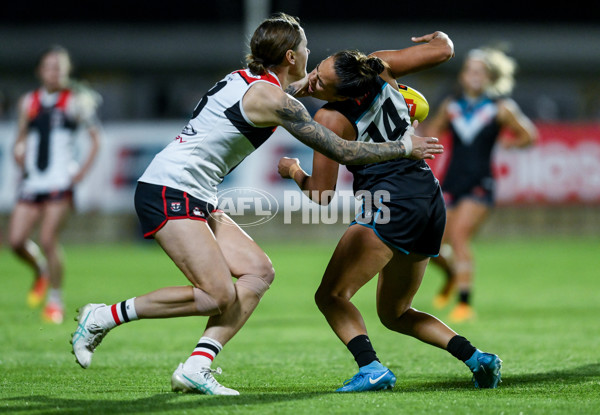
[151, 64]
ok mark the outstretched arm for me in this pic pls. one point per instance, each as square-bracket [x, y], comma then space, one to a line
[268, 105]
[433, 49]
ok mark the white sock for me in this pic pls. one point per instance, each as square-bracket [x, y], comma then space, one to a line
[204, 353]
[117, 314]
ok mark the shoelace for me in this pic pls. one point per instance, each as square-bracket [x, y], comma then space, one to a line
[98, 334]
[357, 376]
[207, 373]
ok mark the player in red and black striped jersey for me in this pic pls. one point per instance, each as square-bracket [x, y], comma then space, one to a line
[49, 120]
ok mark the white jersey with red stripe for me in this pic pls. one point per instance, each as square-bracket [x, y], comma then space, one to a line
[52, 123]
[218, 137]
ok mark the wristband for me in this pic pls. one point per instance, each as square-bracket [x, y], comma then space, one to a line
[407, 141]
[293, 170]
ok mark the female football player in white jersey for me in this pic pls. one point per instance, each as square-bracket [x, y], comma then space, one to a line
[49, 118]
[393, 236]
[476, 119]
[176, 201]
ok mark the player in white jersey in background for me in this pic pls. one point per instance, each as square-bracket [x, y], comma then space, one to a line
[176, 202]
[49, 118]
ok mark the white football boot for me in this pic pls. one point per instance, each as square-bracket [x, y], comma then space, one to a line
[88, 335]
[201, 381]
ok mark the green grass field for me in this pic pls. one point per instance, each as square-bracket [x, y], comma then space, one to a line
[538, 303]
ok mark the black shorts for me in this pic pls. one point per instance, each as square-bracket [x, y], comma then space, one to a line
[155, 205]
[482, 192]
[39, 198]
[410, 225]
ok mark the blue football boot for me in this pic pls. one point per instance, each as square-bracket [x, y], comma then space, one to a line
[372, 377]
[486, 369]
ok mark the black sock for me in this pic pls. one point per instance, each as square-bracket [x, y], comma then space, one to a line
[362, 350]
[464, 296]
[460, 348]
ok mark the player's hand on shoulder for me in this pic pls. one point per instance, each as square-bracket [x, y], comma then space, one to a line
[298, 89]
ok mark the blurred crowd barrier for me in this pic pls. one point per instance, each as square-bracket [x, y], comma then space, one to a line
[563, 167]
[551, 187]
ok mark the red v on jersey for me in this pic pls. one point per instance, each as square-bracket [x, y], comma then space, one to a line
[249, 77]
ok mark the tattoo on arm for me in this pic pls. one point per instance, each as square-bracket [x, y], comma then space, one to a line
[292, 90]
[296, 119]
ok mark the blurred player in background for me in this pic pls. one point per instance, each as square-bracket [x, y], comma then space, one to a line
[394, 236]
[48, 121]
[479, 117]
[176, 202]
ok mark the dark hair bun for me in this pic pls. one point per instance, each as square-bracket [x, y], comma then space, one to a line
[376, 64]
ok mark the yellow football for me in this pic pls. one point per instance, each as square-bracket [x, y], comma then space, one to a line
[417, 104]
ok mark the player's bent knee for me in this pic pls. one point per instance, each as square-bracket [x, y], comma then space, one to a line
[325, 299]
[208, 305]
[389, 322]
[48, 245]
[393, 319]
[16, 245]
[259, 284]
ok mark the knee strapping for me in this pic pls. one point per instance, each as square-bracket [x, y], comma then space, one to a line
[205, 304]
[256, 283]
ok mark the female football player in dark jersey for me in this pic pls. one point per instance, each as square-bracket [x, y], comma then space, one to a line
[477, 119]
[402, 218]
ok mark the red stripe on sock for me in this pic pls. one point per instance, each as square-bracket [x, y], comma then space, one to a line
[113, 310]
[211, 357]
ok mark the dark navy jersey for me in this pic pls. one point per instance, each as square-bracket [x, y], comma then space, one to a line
[474, 129]
[380, 116]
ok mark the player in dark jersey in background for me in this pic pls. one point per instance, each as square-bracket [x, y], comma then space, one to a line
[477, 119]
[403, 216]
[176, 202]
[49, 118]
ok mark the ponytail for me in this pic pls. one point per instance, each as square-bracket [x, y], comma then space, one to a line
[375, 64]
[256, 65]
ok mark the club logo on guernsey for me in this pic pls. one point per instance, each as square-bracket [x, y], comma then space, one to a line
[188, 130]
[175, 206]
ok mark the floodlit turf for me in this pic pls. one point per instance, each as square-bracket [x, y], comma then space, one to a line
[537, 300]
